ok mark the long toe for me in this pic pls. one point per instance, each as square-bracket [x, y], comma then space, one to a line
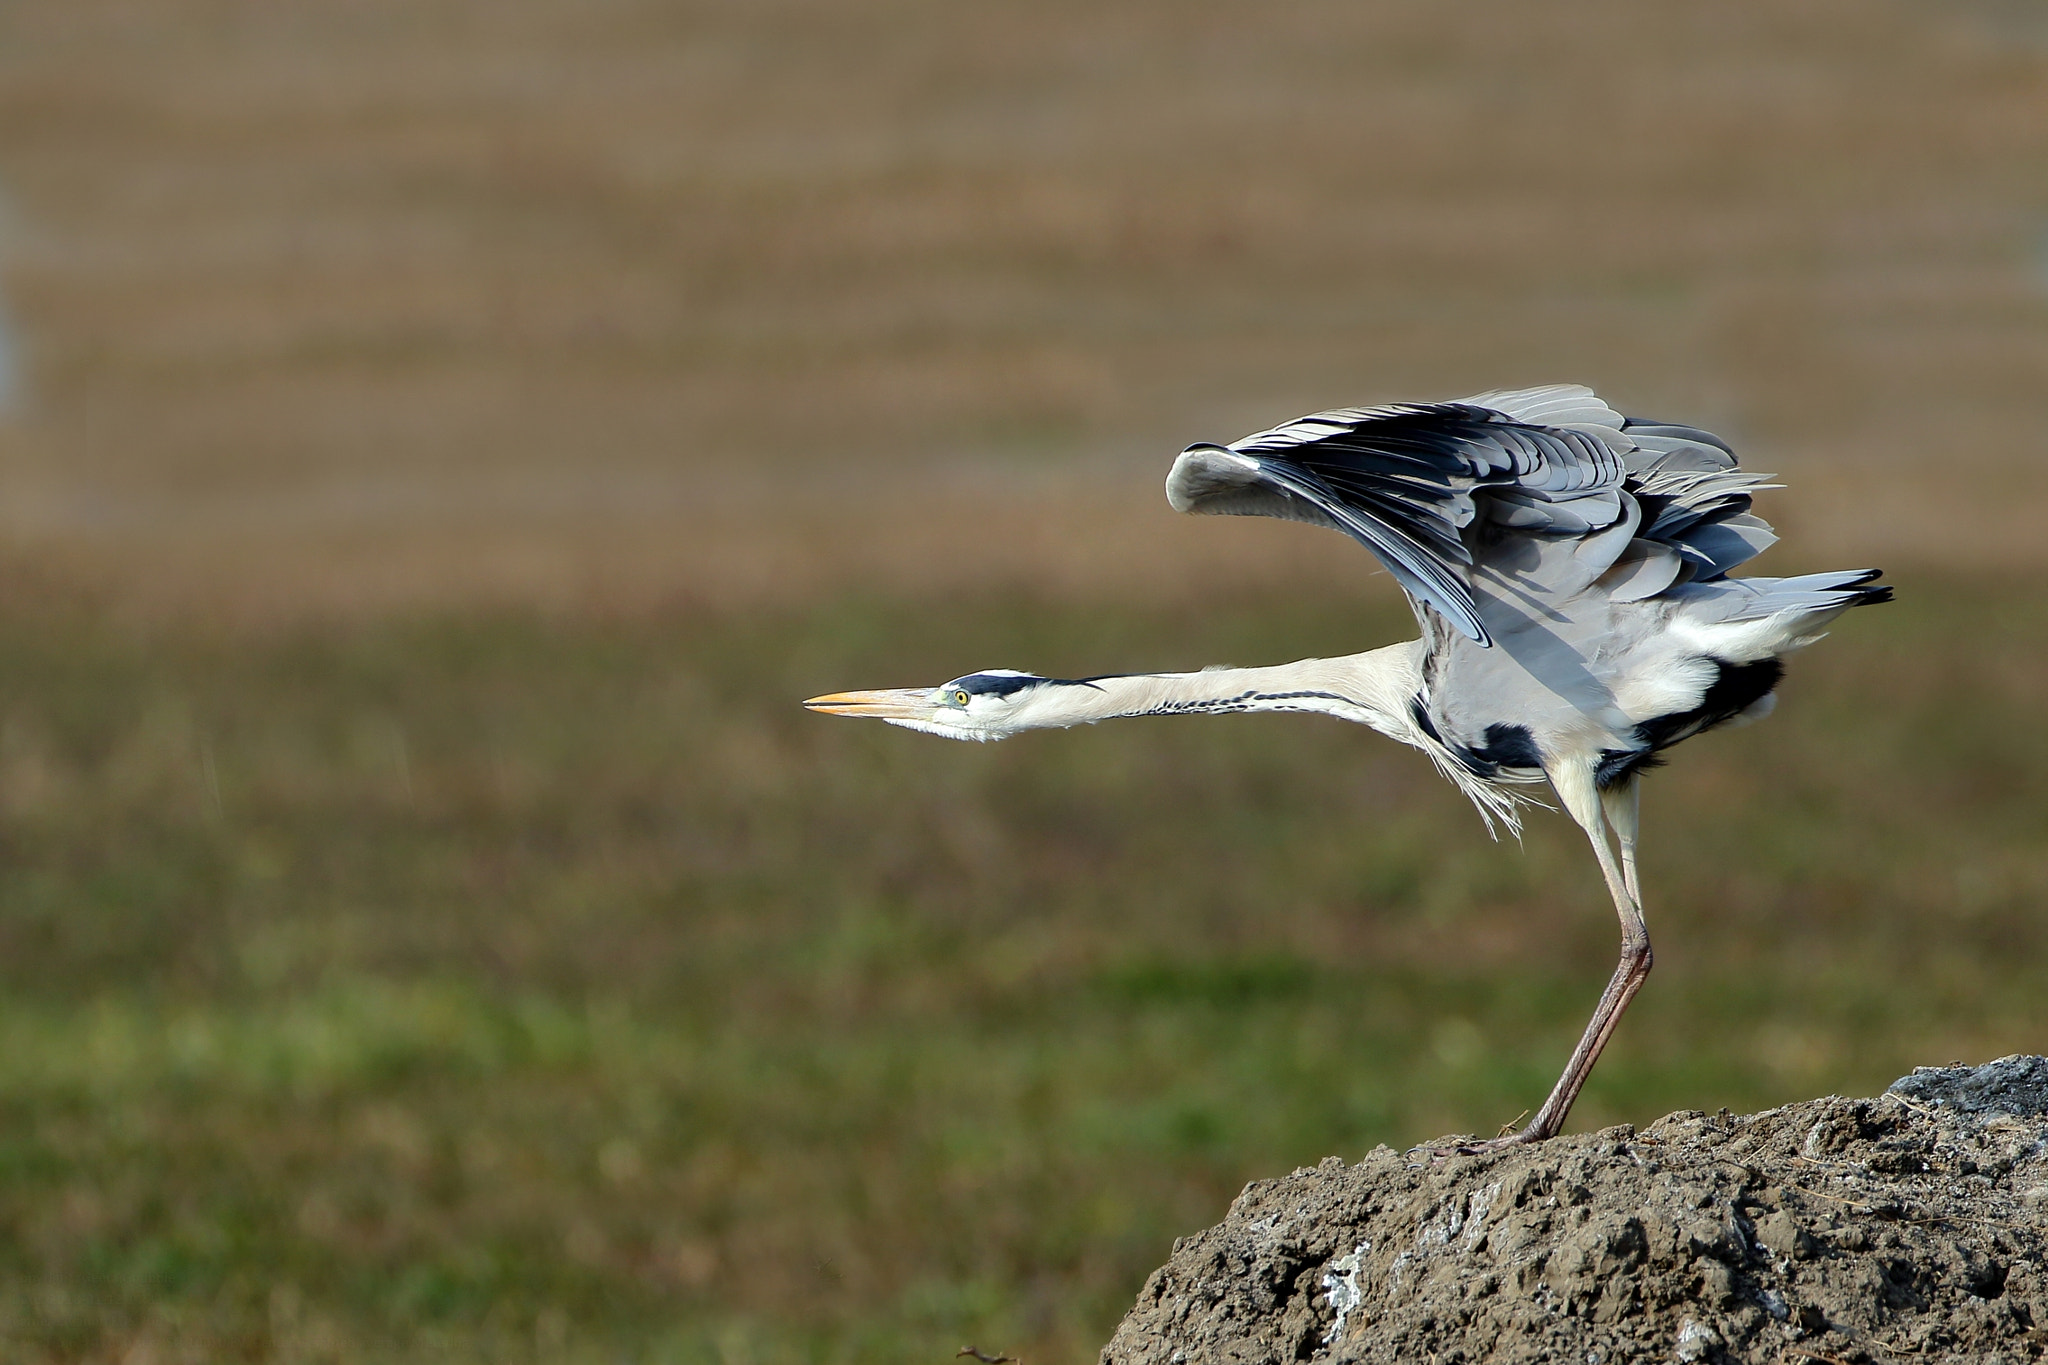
[1430, 1153]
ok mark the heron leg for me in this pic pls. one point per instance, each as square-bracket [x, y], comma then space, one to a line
[1596, 811]
[1623, 807]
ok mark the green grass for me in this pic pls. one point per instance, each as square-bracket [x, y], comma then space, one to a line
[535, 989]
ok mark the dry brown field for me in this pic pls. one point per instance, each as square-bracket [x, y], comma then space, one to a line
[340, 305]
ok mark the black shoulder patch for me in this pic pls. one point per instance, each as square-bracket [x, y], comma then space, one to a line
[1510, 746]
[1506, 746]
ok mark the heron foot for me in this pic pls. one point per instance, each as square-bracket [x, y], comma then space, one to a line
[1430, 1153]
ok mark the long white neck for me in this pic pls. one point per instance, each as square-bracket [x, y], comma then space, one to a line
[1373, 689]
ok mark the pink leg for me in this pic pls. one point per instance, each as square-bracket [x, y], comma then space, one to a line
[1594, 810]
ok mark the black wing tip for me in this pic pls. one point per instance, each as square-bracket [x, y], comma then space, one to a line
[1869, 592]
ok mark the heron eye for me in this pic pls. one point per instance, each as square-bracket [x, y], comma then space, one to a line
[960, 698]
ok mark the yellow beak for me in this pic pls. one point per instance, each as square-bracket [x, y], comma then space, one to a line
[891, 703]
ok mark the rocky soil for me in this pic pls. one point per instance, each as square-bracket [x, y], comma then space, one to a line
[1910, 1227]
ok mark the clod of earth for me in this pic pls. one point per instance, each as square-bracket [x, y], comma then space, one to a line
[1914, 1225]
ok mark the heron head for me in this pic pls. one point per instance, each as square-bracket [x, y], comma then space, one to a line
[992, 704]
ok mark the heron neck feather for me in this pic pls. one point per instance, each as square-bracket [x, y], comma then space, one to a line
[1370, 688]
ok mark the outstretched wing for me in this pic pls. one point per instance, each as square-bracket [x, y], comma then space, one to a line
[1405, 480]
[1411, 482]
[1694, 499]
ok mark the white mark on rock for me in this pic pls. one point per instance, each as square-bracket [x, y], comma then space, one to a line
[1340, 1286]
[1696, 1340]
[1438, 1231]
[1398, 1271]
[1811, 1146]
[1461, 1220]
[1475, 1218]
[1739, 1228]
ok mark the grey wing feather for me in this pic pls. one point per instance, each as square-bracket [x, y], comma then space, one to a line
[1643, 570]
[1716, 547]
[1219, 481]
[1696, 500]
[1661, 440]
[1408, 481]
[1554, 488]
[1754, 599]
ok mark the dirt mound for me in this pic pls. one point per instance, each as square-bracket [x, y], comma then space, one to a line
[1912, 1226]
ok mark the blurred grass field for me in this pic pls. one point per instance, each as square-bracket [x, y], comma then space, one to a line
[526, 988]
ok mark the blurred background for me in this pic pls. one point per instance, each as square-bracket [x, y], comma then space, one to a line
[443, 439]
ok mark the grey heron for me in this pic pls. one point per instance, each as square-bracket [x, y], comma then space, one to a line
[1569, 570]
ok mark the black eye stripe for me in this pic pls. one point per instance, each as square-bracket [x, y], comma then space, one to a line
[991, 684]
